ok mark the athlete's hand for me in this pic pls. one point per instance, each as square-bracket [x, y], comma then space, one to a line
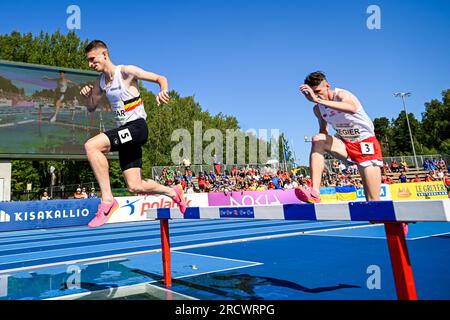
[162, 97]
[86, 91]
[309, 93]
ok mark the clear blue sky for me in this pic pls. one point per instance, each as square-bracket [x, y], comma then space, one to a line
[247, 58]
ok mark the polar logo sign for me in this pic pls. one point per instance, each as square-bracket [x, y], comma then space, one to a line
[4, 217]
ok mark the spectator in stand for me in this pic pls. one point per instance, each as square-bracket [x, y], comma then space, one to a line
[428, 177]
[402, 178]
[78, 194]
[434, 175]
[388, 180]
[386, 168]
[83, 191]
[190, 188]
[216, 165]
[182, 182]
[441, 164]
[308, 181]
[186, 164]
[233, 171]
[294, 183]
[358, 184]
[403, 165]
[394, 166]
[335, 166]
[276, 182]
[288, 184]
[189, 175]
[45, 196]
[434, 162]
[440, 175]
[354, 169]
[202, 182]
[170, 177]
[416, 178]
[212, 176]
[92, 194]
[447, 183]
[426, 165]
[342, 168]
[383, 177]
[349, 182]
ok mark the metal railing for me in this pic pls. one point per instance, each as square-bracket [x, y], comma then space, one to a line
[197, 168]
[409, 159]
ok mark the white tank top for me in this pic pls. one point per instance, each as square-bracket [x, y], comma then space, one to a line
[62, 86]
[350, 127]
[125, 106]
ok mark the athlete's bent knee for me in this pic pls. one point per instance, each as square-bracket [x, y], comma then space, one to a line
[89, 147]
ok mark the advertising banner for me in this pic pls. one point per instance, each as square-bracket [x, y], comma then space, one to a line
[251, 198]
[418, 190]
[29, 97]
[25, 215]
[134, 208]
[385, 193]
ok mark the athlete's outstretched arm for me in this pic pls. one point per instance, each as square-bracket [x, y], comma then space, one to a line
[141, 74]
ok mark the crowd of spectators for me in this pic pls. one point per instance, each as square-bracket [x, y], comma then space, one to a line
[252, 178]
[245, 178]
[266, 178]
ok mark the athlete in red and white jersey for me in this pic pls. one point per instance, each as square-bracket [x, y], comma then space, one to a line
[355, 137]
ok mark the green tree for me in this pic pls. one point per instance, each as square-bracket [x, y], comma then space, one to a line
[436, 123]
[383, 131]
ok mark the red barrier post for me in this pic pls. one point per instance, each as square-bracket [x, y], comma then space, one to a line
[401, 265]
[165, 247]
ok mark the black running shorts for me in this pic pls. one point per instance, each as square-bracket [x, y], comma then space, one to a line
[128, 139]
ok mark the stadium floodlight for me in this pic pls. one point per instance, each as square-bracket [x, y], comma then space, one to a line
[403, 95]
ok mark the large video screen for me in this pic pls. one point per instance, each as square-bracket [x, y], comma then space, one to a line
[42, 114]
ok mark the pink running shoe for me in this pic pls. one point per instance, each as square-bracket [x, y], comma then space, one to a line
[180, 200]
[307, 195]
[105, 211]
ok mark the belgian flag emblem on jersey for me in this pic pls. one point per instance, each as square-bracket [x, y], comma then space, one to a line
[132, 104]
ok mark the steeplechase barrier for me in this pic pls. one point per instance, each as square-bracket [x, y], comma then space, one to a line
[391, 213]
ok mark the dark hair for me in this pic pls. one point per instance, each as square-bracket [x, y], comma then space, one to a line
[94, 44]
[61, 71]
[315, 78]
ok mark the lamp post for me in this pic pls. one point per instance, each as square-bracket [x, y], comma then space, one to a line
[403, 95]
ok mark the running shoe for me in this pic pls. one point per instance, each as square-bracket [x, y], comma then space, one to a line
[179, 199]
[104, 212]
[307, 195]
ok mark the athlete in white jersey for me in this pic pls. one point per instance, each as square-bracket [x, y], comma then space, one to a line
[120, 84]
[355, 137]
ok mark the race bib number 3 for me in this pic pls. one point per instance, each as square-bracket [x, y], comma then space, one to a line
[367, 148]
[124, 135]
